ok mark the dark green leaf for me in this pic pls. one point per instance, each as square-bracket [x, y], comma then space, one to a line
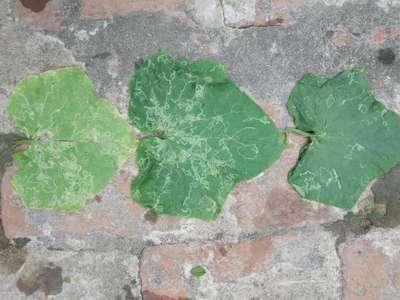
[354, 138]
[214, 136]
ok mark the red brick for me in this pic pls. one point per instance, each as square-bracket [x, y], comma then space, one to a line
[369, 272]
[101, 9]
[49, 18]
[341, 39]
[272, 110]
[260, 7]
[378, 35]
[124, 181]
[268, 265]
[280, 11]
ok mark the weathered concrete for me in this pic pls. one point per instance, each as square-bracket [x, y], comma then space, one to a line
[268, 243]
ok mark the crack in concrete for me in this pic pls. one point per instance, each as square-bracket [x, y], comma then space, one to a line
[221, 6]
[338, 229]
[140, 264]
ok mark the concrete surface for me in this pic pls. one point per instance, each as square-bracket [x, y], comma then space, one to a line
[268, 243]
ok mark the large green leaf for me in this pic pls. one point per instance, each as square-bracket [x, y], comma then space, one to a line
[354, 138]
[213, 136]
[76, 140]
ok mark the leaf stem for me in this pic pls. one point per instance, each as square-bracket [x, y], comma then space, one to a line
[23, 142]
[298, 131]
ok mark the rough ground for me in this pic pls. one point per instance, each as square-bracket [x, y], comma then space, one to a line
[268, 243]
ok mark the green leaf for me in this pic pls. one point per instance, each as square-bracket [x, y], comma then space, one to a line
[76, 140]
[214, 136]
[198, 271]
[354, 138]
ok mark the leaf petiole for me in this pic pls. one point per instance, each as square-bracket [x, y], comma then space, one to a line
[298, 131]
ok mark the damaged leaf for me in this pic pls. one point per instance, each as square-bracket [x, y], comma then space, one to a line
[354, 138]
[212, 136]
[76, 140]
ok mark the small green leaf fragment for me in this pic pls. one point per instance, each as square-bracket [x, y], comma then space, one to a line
[198, 271]
[353, 138]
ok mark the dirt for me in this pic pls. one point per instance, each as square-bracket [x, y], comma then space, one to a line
[386, 56]
[151, 216]
[385, 212]
[35, 5]
[11, 259]
[45, 277]
[128, 293]
[387, 200]
[12, 253]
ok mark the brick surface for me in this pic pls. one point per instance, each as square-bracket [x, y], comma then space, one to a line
[100, 9]
[49, 18]
[240, 14]
[381, 34]
[378, 35]
[371, 266]
[289, 266]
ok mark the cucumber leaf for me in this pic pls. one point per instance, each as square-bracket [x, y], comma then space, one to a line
[354, 138]
[76, 140]
[212, 136]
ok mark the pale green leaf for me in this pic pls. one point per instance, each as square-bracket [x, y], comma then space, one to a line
[77, 141]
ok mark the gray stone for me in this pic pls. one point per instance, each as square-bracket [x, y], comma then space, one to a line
[73, 275]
